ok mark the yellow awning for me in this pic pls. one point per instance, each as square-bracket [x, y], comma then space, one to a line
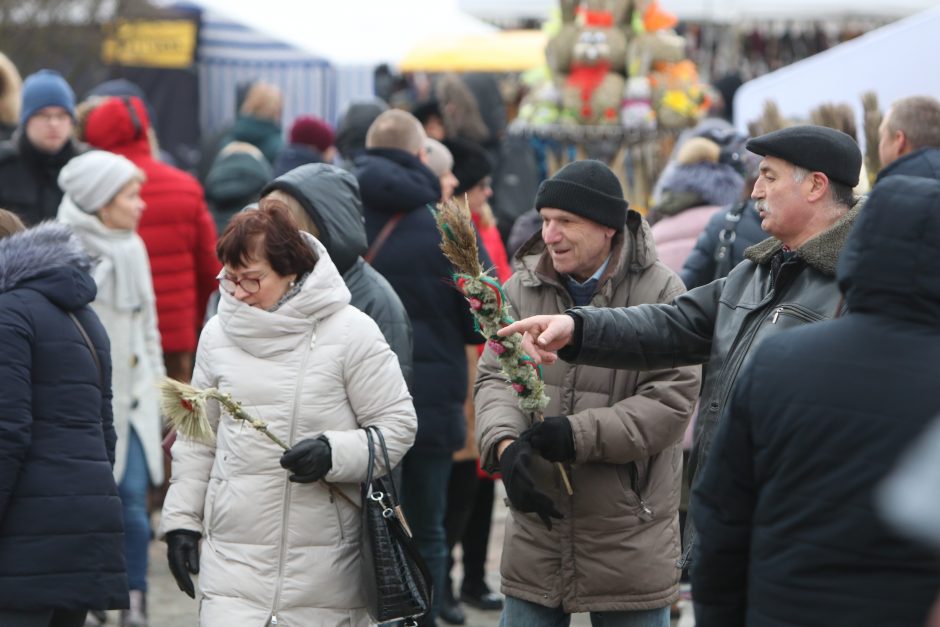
[502, 51]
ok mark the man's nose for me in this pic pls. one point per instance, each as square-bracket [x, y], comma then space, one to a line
[550, 232]
[758, 191]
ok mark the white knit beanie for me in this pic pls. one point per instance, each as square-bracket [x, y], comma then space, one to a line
[94, 178]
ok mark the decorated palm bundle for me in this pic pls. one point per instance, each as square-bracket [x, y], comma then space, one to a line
[490, 311]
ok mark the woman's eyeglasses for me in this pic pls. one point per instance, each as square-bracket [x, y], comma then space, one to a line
[250, 285]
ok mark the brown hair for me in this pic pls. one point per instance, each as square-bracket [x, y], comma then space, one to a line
[10, 223]
[268, 233]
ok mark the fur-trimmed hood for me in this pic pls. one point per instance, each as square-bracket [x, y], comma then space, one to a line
[49, 259]
[820, 252]
[11, 87]
[697, 185]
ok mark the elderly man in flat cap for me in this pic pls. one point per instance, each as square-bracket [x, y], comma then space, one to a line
[804, 198]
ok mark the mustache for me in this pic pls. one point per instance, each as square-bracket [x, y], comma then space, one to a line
[760, 205]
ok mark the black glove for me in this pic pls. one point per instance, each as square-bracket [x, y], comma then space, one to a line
[523, 496]
[309, 460]
[552, 438]
[182, 551]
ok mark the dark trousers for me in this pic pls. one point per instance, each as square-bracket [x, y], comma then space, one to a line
[424, 500]
[476, 539]
[42, 618]
[461, 496]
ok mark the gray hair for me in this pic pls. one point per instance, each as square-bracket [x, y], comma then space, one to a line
[918, 117]
[840, 193]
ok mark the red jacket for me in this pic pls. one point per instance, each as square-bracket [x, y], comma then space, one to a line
[176, 226]
[493, 244]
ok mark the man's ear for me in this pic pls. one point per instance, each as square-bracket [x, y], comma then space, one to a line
[820, 186]
[901, 143]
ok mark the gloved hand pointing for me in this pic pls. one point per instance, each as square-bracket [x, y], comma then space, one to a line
[521, 490]
[182, 552]
[309, 460]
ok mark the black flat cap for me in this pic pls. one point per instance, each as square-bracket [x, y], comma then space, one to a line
[816, 148]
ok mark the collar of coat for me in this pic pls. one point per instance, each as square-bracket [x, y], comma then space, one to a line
[820, 252]
[632, 247]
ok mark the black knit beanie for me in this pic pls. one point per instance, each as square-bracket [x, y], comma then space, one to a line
[471, 165]
[586, 188]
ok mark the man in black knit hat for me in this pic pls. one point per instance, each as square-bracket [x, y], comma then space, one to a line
[804, 198]
[609, 548]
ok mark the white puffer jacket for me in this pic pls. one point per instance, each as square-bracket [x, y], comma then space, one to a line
[272, 548]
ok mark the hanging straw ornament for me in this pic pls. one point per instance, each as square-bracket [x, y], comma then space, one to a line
[185, 407]
[491, 312]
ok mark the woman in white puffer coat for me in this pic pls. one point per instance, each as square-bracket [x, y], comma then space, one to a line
[279, 547]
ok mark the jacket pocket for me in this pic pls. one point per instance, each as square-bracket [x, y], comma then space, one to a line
[632, 477]
[339, 516]
[790, 315]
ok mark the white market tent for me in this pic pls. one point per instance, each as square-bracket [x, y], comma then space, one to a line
[894, 61]
[322, 54]
[715, 10]
[791, 10]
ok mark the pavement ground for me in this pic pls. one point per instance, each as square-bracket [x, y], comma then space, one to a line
[168, 607]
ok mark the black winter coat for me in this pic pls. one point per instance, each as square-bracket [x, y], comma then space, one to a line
[393, 181]
[700, 265]
[61, 526]
[29, 185]
[330, 196]
[924, 162]
[787, 526]
[294, 156]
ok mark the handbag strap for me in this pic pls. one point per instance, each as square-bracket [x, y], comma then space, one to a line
[371, 447]
[91, 347]
[382, 236]
[726, 237]
[388, 466]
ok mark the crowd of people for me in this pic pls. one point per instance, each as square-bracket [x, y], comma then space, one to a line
[734, 378]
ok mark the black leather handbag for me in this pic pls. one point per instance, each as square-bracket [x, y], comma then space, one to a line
[396, 580]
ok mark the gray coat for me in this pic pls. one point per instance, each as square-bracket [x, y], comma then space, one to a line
[330, 196]
[720, 323]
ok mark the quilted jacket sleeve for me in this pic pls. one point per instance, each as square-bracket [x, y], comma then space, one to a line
[192, 461]
[379, 397]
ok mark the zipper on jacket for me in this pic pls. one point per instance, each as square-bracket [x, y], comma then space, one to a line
[339, 519]
[795, 312]
[285, 503]
[635, 486]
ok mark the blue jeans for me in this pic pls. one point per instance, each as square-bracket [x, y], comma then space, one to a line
[519, 613]
[424, 500]
[133, 491]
